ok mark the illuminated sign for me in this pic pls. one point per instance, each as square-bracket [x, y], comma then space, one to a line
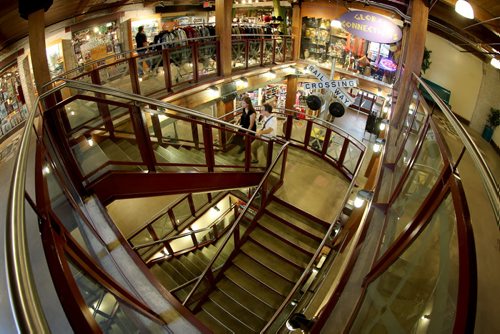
[335, 86]
[371, 26]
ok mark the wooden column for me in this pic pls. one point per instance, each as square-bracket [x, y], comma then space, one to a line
[223, 30]
[36, 31]
[291, 91]
[296, 30]
[224, 107]
[414, 55]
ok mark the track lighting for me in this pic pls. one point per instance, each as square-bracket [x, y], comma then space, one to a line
[90, 141]
[362, 197]
[383, 125]
[336, 24]
[464, 8]
[379, 143]
[495, 63]
[242, 82]
[271, 74]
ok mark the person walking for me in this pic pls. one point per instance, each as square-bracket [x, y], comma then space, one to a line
[268, 130]
[247, 121]
[141, 41]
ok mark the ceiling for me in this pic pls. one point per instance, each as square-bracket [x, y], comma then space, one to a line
[480, 36]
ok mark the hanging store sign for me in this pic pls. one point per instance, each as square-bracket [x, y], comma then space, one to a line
[371, 26]
[335, 86]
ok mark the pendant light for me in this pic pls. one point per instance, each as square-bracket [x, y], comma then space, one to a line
[464, 8]
[495, 63]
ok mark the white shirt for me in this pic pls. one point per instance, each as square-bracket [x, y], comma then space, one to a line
[270, 122]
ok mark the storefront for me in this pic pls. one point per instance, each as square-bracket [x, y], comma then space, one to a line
[359, 42]
[96, 41]
[13, 109]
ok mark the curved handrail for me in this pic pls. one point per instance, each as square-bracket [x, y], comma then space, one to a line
[237, 222]
[489, 182]
[178, 236]
[29, 316]
[309, 268]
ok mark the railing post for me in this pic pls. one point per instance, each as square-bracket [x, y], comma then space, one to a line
[172, 219]
[219, 67]
[194, 58]
[307, 136]
[289, 126]
[274, 51]
[142, 138]
[284, 48]
[191, 204]
[215, 228]
[134, 77]
[269, 153]
[262, 52]
[209, 147]
[326, 141]
[102, 107]
[193, 238]
[343, 153]
[247, 52]
[166, 70]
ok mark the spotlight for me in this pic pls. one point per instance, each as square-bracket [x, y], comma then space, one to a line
[464, 8]
[299, 321]
[46, 170]
[379, 143]
[290, 70]
[495, 63]
[242, 82]
[336, 24]
[271, 74]
[216, 208]
[90, 141]
[383, 125]
[213, 90]
[362, 196]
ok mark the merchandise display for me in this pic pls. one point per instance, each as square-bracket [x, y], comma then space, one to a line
[13, 109]
[55, 59]
[151, 28]
[324, 43]
[96, 42]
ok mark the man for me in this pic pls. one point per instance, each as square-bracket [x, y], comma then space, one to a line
[267, 130]
[141, 41]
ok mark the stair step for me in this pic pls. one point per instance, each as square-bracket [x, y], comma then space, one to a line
[164, 278]
[254, 287]
[223, 316]
[173, 273]
[213, 324]
[113, 151]
[271, 261]
[188, 263]
[180, 267]
[262, 274]
[247, 300]
[197, 261]
[297, 219]
[194, 156]
[280, 247]
[292, 235]
[130, 149]
[237, 310]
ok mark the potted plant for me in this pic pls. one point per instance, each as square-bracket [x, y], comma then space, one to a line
[492, 122]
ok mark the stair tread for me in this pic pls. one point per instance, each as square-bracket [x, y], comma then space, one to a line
[188, 263]
[177, 264]
[174, 273]
[297, 219]
[237, 310]
[213, 324]
[197, 261]
[164, 278]
[263, 274]
[248, 300]
[271, 261]
[254, 287]
[113, 151]
[294, 236]
[280, 247]
[222, 316]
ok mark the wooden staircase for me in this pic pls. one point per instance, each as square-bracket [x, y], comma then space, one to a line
[264, 271]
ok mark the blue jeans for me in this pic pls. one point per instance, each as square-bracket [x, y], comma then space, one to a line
[140, 63]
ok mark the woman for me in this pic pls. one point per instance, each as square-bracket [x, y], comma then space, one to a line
[247, 121]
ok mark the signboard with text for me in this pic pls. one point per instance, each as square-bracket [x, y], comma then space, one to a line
[335, 86]
[371, 26]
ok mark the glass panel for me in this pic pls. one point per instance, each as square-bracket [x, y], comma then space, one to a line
[351, 158]
[181, 65]
[207, 59]
[412, 106]
[182, 243]
[116, 76]
[259, 152]
[199, 201]
[141, 238]
[278, 57]
[162, 226]
[182, 211]
[289, 49]
[112, 315]
[416, 188]
[410, 145]
[335, 146]
[238, 49]
[153, 80]
[254, 52]
[80, 112]
[418, 292]
[268, 51]
[317, 138]
[298, 130]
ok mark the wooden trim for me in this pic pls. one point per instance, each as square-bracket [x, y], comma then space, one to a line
[95, 21]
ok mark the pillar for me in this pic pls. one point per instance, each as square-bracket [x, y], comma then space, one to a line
[291, 91]
[223, 30]
[36, 31]
[413, 57]
[296, 30]
[224, 107]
